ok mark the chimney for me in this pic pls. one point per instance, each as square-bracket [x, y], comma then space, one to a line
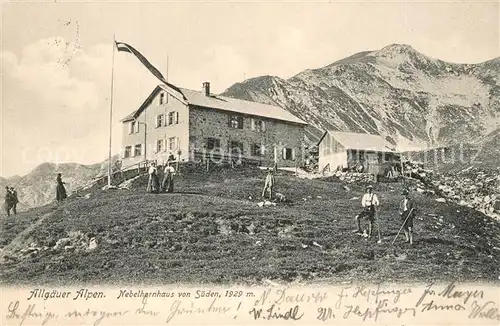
[206, 88]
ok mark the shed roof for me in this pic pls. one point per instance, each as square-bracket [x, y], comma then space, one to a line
[197, 98]
[361, 141]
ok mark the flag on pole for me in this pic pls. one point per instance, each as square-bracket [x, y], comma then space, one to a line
[124, 47]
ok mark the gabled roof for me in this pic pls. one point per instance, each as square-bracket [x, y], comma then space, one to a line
[174, 92]
[197, 98]
[361, 141]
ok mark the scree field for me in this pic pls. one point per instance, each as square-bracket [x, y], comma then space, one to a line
[212, 231]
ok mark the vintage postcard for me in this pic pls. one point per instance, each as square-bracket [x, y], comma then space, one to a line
[250, 163]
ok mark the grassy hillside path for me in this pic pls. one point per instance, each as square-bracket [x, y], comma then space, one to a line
[212, 231]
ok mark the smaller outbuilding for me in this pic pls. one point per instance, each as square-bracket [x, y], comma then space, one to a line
[357, 152]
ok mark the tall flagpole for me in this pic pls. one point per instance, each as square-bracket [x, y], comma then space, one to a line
[111, 111]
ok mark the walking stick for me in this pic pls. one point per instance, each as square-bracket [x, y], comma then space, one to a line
[378, 227]
[397, 235]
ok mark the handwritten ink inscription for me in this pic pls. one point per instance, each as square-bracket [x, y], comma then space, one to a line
[34, 314]
[452, 299]
[275, 312]
[377, 303]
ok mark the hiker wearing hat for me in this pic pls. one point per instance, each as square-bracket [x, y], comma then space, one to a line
[407, 213]
[369, 203]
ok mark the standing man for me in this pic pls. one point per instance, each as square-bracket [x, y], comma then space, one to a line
[407, 213]
[15, 200]
[8, 200]
[269, 184]
[370, 203]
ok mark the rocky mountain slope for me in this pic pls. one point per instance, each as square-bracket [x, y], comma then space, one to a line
[414, 100]
[39, 186]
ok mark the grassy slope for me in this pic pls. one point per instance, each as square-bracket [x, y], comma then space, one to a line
[212, 233]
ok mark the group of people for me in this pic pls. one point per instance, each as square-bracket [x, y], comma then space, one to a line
[11, 200]
[370, 203]
[167, 184]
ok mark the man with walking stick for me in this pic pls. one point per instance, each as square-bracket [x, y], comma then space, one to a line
[369, 203]
[407, 213]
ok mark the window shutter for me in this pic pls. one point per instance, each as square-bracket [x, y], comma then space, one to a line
[136, 126]
[284, 153]
[229, 121]
[263, 125]
[176, 117]
[131, 128]
[253, 124]
[177, 143]
[293, 153]
[240, 122]
[262, 149]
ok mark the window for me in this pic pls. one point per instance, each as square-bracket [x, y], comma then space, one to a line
[258, 150]
[258, 125]
[288, 154]
[236, 121]
[172, 143]
[212, 143]
[236, 147]
[138, 150]
[134, 127]
[173, 117]
[160, 120]
[162, 98]
[160, 145]
[128, 152]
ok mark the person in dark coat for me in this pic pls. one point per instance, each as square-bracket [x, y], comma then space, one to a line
[14, 199]
[60, 190]
[167, 184]
[407, 213]
[8, 200]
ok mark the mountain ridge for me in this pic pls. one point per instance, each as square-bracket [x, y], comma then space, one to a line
[387, 92]
[37, 188]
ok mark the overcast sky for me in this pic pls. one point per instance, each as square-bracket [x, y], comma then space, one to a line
[56, 57]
